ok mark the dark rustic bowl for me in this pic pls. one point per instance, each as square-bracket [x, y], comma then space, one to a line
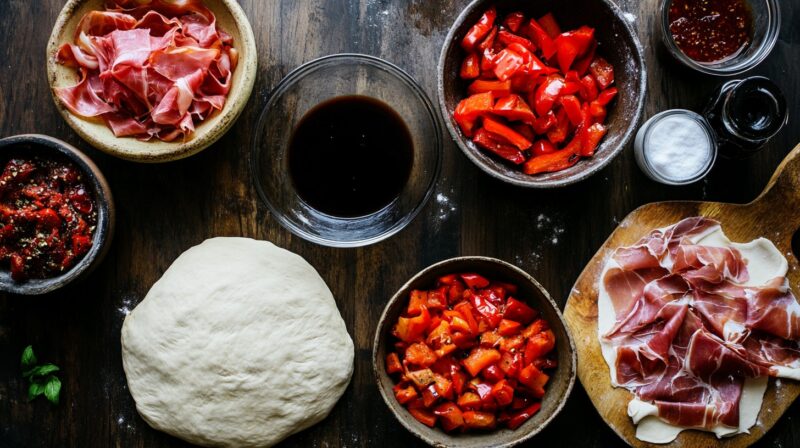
[45, 146]
[558, 389]
[618, 44]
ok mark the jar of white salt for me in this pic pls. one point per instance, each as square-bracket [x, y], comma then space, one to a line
[676, 147]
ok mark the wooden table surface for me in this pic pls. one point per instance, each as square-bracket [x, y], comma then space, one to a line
[165, 209]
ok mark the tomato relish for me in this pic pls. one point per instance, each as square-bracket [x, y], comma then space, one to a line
[47, 217]
[710, 30]
[470, 356]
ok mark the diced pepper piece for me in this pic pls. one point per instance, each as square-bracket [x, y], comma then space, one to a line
[490, 339]
[487, 310]
[420, 355]
[548, 22]
[506, 133]
[603, 72]
[544, 123]
[479, 420]
[592, 137]
[503, 149]
[469, 400]
[488, 42]
[480, 29]
[542, 147]
[514, 21]
[571, 44]
[588, 90]
[459, 380]
[519, 311]
[534, 379]
[518, 418]
[509, 327]
[472, 107]
[449, 279]
[507, 64]
[474, 281]
[524, 130]
[393, 363]
[493, 373]
[437, 299]
[410, 329]
[535, 328]
[506, 38]
[466, 311]
[581, 64]
[450, 416]
[514, 108]
[444, 387]
[417, 300]
[498, 88]
[511, 363]
[445, 350]
[545, 363]
[405, 394]
[421, 378]
[425, 417]
[512, 343]
[471, 67]
[547, 93]
[559, 133]
[430, 396]
[459, 324]
[480, 358]
[540, 37]
[556, 161]
[607, 96]
[572, 106]
[539, 345]
[503, 393]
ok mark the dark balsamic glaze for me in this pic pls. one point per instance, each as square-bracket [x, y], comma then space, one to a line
[350, 156]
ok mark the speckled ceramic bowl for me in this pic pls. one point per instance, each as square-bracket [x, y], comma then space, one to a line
[558, 389]
[44, 146]
[230, 18]
[618, 44]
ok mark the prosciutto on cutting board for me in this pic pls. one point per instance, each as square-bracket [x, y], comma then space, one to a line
[689, 326]
[152, 69]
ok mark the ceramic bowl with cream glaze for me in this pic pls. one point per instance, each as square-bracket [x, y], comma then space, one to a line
[48, 147]
[558, 388]
[618, 44]
[230, 18]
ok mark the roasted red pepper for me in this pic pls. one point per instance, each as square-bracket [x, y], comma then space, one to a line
[479, 30]
[557, 161]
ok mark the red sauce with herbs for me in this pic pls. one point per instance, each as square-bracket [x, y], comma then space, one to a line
[711, 30]
[47, 217]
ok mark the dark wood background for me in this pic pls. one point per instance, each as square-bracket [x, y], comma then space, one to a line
[165, 209]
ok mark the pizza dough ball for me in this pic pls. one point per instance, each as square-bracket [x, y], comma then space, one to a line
[239, 344]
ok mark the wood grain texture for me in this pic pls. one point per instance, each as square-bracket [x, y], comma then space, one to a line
[165, 209]
[772, 215]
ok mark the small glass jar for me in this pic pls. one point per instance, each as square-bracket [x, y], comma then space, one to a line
[766, 28]
[746, 113]
[677, 162]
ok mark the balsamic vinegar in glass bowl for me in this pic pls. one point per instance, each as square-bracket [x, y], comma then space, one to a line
[350, 156]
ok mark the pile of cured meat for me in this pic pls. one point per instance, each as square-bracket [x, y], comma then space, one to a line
[690, 329]
[149, 69]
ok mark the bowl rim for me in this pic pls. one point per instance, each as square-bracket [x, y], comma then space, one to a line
[106, 214]
[128, 148]
[400, 295]
[298, 73]
[773, 32]
[633, 123]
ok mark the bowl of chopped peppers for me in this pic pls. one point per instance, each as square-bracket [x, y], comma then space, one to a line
[56, 214]
[542, 94]
[473, 352]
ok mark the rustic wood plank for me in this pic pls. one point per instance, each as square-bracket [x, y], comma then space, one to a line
[167, 208]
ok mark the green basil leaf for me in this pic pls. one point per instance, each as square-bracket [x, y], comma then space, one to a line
[35, 389]
[52, 390]
[28, 358]
[42, 370]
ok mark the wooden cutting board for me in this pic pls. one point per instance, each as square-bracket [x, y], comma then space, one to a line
[775, 215]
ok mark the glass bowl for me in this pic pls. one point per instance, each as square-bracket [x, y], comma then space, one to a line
[766, 27]
[318, 81]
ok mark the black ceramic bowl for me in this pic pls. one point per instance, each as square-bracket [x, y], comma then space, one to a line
[617, 43]
[558, 388]
[44, 146]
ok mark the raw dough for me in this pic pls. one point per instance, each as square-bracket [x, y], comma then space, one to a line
[239, 344]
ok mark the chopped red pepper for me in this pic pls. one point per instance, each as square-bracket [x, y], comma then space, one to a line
[514, 108]
[423, 416]
[508, 327]
[507, 64]
[503, 393]
[572, 107]
[479, 420]
[558, 134]
[548, 22]
[556, 161]
[540, 37]
[592, 137]
[545, 123]
[469, 109]
[498, 88]
[420, 355]
[506, 38]
[606, 96]
[603, 72]
[588, 90]
[405, 394]
[393, 363]
[480, 29]
[471, 67]
[547, 93]
[450, 416]
[571, 44]
[519, 311]
[500, 147]
[522, 416]
[479, 359]
[542, 147]
[514, 21]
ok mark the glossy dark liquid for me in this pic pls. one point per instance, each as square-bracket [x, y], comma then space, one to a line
[350, 156]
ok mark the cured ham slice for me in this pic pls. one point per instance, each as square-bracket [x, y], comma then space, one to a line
[685, 327]
[149, 68]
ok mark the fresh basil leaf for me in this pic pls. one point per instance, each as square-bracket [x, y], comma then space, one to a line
[35, 389]
[52, 390]
[28, 358]
[42, 370]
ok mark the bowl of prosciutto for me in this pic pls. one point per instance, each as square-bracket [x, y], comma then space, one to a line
[152, 80]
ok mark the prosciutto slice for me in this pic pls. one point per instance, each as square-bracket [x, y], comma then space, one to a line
[689, 329]
[149, 68]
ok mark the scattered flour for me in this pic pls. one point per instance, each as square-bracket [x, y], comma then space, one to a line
[630, 17]
[128, 303]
